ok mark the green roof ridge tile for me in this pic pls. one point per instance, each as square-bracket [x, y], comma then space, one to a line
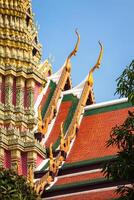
[87, 162]
[107, 108]
[68, 97]
[75, 184]
[81, 163]
[52, 86]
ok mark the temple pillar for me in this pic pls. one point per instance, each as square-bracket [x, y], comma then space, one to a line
[31, 158]
[1, 82]
[20, 85]
[15, 160]
[8, 90]
[30, 85]
[1, 157]
[31, 161]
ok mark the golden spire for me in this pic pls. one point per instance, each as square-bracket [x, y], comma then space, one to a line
[96, 66]
[73, 53]
[19, 40]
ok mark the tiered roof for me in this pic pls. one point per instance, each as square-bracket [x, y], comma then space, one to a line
[95, 194]
[81, 172]
[87, 127]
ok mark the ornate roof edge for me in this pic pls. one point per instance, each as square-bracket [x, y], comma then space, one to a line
[83, 192]
[107, 103]
[61, 85]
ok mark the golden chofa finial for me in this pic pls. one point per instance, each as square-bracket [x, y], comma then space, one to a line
[96, 66]
[100, 56]
[73, 53]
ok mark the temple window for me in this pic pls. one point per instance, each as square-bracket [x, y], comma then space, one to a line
[29, 11]
[35, 39]
[34, 51]
[27, 20]
[67, 85]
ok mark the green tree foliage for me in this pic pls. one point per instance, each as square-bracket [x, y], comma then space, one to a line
[122, 136]
[15, 187]
[125, 83]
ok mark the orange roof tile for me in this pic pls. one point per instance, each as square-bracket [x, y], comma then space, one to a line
[93, 134]
[77, 178]
[62, 115]
[101, 195]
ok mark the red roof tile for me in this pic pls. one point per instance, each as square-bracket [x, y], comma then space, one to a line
[93, 134]
[62, 115]
[78, 178]
[104, 195]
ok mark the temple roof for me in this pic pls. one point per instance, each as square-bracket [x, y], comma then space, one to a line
[88, 152]
[98, 194]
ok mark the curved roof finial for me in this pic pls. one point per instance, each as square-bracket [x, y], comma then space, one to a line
[100, 55]
[97, 65]
[73, 53]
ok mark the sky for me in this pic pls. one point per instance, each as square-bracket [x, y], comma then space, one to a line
[110, 21]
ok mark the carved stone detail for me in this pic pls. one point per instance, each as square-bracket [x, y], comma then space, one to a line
[8, 90]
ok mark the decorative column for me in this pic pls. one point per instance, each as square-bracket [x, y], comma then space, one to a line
[20, 84]
[15, 160]
[1, 82]
[8, 91]
[31, 162]
[1, 157]
[31, 158]
[30, 85]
